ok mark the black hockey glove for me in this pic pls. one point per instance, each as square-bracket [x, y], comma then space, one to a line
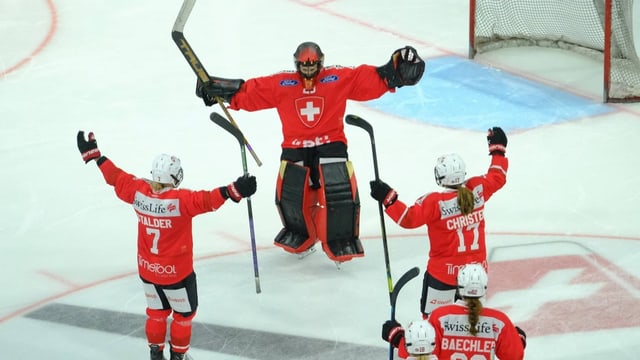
[88, 149]
[217, 87]
[243, 187]
[497, 141]
[392, 332]
[404, 68]
[383, 192]
[523, 337]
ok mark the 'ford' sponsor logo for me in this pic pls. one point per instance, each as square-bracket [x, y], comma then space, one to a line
[289, 82]
[328, 79]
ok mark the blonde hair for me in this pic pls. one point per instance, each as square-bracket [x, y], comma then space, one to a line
[466, 202]
[474, 307]
[157, 187]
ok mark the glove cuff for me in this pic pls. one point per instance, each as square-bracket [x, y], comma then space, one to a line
[391, 198]
[224, 191]
[497, 149]
[233, 192]
[395, 335]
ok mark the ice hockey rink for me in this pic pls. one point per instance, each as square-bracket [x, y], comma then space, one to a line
[563, 234]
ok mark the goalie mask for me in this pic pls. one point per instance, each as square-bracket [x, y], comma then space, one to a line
[420, 338]
[472, 281]
[308, 59]
[450, 170]
[166, 169]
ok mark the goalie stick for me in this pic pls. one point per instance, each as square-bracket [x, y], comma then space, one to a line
[177, 35]
[223, 123]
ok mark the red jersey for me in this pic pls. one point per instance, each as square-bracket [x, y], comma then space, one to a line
[311, 118]
[496, 334]
[455, 239]
[165, 241]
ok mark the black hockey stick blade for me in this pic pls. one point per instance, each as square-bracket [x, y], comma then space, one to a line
[404, 279]
[182, 43]
[227, 125]
[356, 120]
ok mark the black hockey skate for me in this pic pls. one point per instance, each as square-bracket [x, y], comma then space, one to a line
[156, 353]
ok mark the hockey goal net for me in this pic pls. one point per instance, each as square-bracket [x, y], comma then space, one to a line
[597, 28]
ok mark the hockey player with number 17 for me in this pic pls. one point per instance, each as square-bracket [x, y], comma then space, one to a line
[316, 192]
[454, 218]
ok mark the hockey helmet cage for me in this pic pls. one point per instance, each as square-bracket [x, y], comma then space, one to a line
[308, 54]
[450, 170]
[472, 281]
[420, 338]
[166, 169]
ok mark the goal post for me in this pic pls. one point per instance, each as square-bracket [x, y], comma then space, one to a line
[602, 29]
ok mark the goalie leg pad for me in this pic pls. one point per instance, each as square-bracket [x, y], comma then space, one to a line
[294, 201]
[338, 220]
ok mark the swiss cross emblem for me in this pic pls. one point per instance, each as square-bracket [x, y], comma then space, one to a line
[309, 110]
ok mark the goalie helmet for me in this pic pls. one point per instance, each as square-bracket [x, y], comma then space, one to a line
[420, 338]
[308, 59]
[450, 170]
[472, 281]
[166, 169]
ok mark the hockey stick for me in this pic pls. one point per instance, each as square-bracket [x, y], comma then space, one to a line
[362, 123]
[223, 123]
[404, 279]
[178, 37]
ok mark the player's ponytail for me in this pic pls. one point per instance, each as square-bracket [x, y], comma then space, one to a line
[474, 307]
[465, 200]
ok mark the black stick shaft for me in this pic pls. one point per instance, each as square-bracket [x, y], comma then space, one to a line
[223, 123]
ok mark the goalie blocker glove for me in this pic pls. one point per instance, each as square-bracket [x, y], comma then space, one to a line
[217, 87]
[404, 68]
[243, 187]
[497, 141]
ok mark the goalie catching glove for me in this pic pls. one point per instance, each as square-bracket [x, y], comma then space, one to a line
[404, 68]
[217, 87]
[244, 187]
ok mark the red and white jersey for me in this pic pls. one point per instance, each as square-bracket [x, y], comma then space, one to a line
[455, 239]
[496, 334]
[165, 242]
[311, 118]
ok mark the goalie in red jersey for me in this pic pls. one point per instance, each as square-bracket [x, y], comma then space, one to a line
[316, 192]
[165, 241]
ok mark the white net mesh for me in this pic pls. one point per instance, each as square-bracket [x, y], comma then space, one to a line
[576, 25]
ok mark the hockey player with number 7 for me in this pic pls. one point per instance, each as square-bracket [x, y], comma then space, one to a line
[165, 240]
[454, 218]
[316, 191]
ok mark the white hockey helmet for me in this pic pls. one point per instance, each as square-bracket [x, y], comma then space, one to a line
[420, 338]
[450, 170]
[166, 169]
[472, 280]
